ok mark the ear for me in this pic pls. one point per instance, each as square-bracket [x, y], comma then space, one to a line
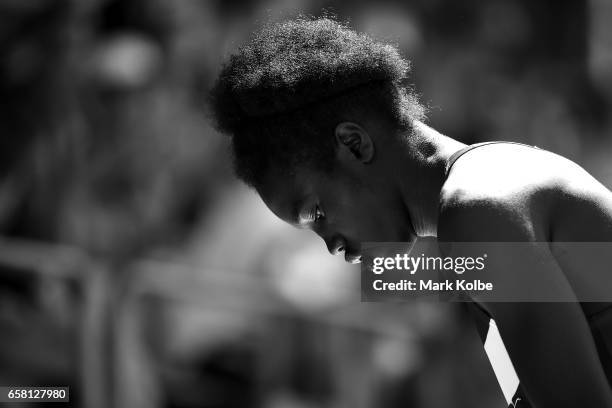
[354, 143]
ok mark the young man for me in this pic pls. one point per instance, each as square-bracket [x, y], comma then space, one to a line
[326, 133]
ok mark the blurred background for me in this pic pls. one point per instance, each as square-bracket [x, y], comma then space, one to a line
[137, 271]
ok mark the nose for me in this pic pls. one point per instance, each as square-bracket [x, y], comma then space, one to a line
[335, 245]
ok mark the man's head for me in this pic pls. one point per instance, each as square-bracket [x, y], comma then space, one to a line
[314, 110]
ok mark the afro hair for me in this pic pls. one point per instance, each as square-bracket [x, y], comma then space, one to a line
[301, 70]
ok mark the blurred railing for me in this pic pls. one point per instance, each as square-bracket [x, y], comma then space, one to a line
[152, 333]
[107, 330]
[53, 316]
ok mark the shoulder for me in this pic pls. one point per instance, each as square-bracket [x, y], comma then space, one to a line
[467, 217]
[502, 193]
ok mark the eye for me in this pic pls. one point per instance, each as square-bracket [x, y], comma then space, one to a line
[318, 214]
[310, 214]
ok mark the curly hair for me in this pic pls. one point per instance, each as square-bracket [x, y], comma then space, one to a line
[281, 95]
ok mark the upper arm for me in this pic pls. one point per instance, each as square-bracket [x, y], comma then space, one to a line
[550, 344]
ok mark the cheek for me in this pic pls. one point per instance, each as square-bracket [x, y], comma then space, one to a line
[360, 218]
[376, 219]
[361, 213]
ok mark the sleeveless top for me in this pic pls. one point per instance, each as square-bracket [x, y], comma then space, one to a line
[600, 324]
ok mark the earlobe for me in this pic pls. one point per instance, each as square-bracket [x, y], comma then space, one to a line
[354, 142]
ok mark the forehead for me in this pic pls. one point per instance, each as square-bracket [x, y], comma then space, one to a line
[285, 193]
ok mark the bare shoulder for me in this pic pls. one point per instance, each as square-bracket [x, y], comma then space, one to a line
[506, 192]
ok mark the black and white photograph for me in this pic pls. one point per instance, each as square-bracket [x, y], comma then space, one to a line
[306, 204]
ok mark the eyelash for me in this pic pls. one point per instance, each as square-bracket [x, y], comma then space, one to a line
[317, 214]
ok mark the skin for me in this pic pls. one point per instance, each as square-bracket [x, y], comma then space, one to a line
[366, 185]
[390, 186]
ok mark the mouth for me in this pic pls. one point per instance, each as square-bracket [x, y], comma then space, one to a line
[352, 258]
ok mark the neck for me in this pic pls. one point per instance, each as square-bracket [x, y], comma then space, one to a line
[424, 159]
